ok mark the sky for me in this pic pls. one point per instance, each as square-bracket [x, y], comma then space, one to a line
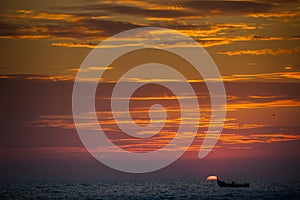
[255, 45]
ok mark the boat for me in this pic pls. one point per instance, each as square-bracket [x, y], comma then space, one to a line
[232, 184]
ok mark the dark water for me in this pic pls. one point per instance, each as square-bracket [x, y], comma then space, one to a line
[188, 189]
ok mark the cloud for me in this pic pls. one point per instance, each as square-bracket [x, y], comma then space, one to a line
[150, 4]
[257, 138]
[228, 7]
[171, 8]
[53, 121]
[235, 126]
[75, 44]
[108, 122]
[8, 77]
[275, 14]
[265, 97]
[235, 131]
[273, 76]
[278, 76]
[90, 22]
[227, 39]
[270, 104]
[134, 9]
[263, 52]
[59, 26]
[288, 67]
[207, 38]
[29, 77]
[54, 16]
[65, 150]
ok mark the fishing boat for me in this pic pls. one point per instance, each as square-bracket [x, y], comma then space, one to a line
[232, 184]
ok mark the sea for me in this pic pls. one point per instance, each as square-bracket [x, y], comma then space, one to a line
[156, 189]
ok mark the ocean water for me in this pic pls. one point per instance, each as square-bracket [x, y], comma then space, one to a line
[175, 189]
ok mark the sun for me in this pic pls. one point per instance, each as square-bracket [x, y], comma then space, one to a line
[211, 178]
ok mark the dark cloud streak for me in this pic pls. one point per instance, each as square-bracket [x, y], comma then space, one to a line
[132, 10]
[82, 29]
[228, 7]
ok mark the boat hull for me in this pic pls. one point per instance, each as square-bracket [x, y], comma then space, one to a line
[224, 184]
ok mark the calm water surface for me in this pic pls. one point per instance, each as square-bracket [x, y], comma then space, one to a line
[181, 189]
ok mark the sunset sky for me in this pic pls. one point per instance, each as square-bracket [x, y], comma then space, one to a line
[254, 43]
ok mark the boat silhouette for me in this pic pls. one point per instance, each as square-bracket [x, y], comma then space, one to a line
[232, 184]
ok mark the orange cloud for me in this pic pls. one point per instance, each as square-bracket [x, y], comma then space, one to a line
[150, 5]
[226, 139]
[159, 19]
[272, 104]
[263, 97]
[7, 77]
[54, 78]
[56, 16]
[260, 52]
[30, 14]
[214, 29]
[275, 14]
[77, 45]
[288, 67]
[53, 121]
[24, 37]
[264, 76]
[278, 76]
[210, 41]
[50, 78]
[235, 126]
[25, 11]
[257, 138]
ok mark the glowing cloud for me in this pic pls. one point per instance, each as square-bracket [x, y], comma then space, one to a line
[261, 52]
